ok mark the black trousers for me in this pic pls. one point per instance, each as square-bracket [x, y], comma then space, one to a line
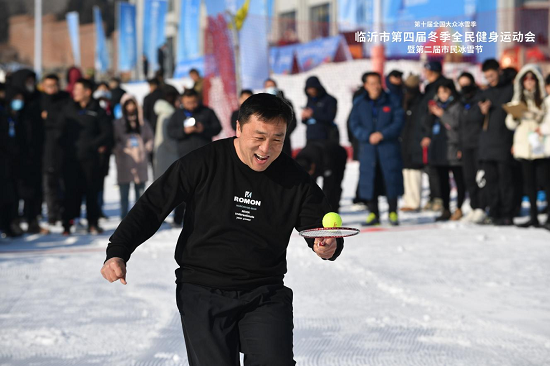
[218, 324]
[534, 171]
[445, 185]
[500, 188]
[380, 190]
[433, 180]
[81, 179]
[332, 180]
[470, 166]
[53, 193]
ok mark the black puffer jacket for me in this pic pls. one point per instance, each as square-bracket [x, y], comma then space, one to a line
[324, 108]
[411, 136]
[84, 131]
[471, 120]
[495, 140]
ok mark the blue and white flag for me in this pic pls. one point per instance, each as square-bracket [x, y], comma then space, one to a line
[154, 21]
[101, 52]
[74, 34]
[188, 35]
[127, 39]
[254, 46]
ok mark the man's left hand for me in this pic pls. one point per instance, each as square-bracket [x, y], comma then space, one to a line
[325, 247]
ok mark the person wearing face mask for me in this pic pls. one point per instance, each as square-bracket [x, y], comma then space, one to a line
[471, 122]
[245, 94]
[411, 150]
[52, 100]
[271, 88]
[30, 188]
[394, 83]
[105, 98]
[441, 137]
[12, 148]
[528, 146]
[319, 113]
[133, 142]
[192, 126]
[433, 74]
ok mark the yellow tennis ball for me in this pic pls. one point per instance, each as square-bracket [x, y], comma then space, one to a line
[332, 219]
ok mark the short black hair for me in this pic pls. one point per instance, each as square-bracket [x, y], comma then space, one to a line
[194, 71]
[153, 81]
[104, 84]
[87, 84]
[246, 91]
[448, 84]
[396, 73]
[115, 79]
[266, 107]
[52, 77]
[189, 93]
[370, 73]
[490, 64]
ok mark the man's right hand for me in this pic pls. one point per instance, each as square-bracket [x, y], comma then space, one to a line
[114, 269]
[484, 106]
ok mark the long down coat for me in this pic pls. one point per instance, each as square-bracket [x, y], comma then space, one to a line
[388, 120]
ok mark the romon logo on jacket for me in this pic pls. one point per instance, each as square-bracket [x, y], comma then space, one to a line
[247, 199]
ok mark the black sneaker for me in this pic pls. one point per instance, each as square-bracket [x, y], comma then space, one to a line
[445, 216]
[505, 221]
[531, 222]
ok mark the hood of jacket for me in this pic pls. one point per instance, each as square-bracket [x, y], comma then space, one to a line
[524, 70]
[313, 82]
[129, 97]
[163, 107]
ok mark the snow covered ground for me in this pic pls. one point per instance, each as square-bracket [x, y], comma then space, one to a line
[419, 294]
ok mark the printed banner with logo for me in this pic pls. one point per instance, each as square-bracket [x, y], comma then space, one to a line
[309, 55]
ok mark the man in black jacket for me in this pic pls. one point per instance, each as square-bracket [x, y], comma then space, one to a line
[495, 144]
[320, 112]
[471, 122]
[85, 133]
[245, 198]
[433, 74]
[155, 93]
[51, 102]
[192, 126]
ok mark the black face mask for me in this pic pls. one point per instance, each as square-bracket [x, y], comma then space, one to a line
[132, 117]
[468, 90]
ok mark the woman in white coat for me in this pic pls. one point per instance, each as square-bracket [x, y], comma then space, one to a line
[528, 146]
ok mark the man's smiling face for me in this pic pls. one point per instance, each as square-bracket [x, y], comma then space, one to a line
[259, 143]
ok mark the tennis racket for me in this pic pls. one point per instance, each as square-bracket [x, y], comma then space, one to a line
[329, 232]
